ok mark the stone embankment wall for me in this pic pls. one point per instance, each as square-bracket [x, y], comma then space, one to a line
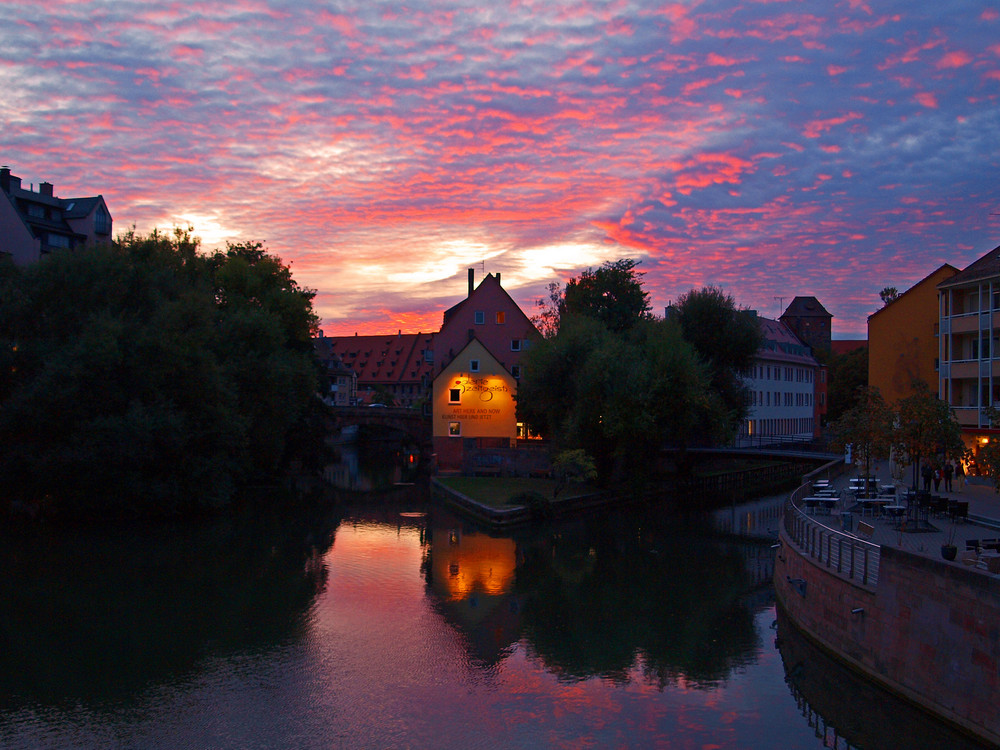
[928, 630]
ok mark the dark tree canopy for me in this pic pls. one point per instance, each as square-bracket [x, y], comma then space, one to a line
[612, 294]
[145, 378]
[727, 338]
[621, 398]
[848, 375]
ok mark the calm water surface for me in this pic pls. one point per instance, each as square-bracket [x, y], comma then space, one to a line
[392, 624]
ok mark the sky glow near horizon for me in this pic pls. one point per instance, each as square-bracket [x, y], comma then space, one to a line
[773, 148]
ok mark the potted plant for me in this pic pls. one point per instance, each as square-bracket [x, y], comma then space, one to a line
[948, 549]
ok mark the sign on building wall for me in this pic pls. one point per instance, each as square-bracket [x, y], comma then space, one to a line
[474, 397]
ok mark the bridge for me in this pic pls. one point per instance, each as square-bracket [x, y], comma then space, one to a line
[410, 422]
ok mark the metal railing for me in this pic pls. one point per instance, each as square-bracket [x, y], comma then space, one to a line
[844, 554]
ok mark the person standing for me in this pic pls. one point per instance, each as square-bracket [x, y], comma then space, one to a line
[926, 473]
[949, 472]
[937, 479]
[960, 475]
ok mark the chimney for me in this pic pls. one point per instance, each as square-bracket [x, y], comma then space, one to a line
[45, 188]
[498, 278]
[5, 179]
[472, 280]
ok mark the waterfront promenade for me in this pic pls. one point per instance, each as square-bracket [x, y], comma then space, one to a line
[984, 518]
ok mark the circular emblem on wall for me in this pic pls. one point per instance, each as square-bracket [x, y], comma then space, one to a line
[486, 395]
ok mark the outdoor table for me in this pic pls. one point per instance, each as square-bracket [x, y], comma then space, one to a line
[896, 511]
[990, 561]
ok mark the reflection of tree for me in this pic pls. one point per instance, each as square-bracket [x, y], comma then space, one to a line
[88, 615]
[609, 596]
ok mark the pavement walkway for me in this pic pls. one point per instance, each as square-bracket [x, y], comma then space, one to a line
[983, 523]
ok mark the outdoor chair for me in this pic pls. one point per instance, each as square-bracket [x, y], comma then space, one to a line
[971, 545]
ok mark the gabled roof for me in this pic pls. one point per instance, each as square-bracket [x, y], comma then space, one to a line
[943, 267]
[492, 367]
[382, 360]
[984, 268]
[781, 345]
[845, 346]
[488, 280]
[77, 208]
[805, 307]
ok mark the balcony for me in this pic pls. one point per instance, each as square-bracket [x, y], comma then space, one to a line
[965, 323]
[965, 369]
[966, 416]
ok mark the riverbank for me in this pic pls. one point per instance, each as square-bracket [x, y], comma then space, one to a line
[891, 608]
[504, 502]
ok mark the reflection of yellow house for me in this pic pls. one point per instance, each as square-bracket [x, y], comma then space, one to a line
[473, 400]
[472, 575]
[467, 564]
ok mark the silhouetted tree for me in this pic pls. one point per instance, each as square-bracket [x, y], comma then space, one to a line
[726, 338]
[146, 378]
[612, 294]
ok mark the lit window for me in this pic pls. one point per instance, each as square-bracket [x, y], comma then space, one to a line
[501, 318]
[473, 365]
[515, 345]
[480, 317]
[454, 395]
[454, 429]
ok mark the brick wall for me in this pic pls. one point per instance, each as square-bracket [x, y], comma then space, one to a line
[930, 630]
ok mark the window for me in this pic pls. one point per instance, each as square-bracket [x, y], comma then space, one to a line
[102, 222]
[58, 240]
[515, 345]
[473, 365]
[515, 371]
[501, 318]
[480, 317]
[454, 395]
[454, 429]
[36, 211]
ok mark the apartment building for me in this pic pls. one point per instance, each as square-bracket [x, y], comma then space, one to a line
[399, 366]
[969, 345]
[33, 224]
[782, 389]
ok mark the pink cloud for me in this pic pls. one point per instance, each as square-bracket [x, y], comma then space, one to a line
[926, 99]
[815, 128]
[954, 60]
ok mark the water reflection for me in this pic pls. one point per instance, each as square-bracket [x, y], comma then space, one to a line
[373, 465]
[602, 595]
[389, 622]
[96, 615]
[847, 711]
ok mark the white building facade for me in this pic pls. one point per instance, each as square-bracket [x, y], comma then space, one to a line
[782, 389]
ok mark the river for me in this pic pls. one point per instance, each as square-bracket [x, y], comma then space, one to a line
[384, 621]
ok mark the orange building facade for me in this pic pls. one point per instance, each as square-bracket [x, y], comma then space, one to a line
[903, 339]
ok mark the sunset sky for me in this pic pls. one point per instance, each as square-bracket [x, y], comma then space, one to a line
[804, 147]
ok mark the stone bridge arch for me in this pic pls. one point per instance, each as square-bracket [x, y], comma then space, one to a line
[410, 422]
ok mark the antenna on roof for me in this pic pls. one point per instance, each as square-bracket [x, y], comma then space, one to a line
[781, 304]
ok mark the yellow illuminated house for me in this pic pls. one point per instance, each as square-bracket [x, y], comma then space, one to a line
[473, 405]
